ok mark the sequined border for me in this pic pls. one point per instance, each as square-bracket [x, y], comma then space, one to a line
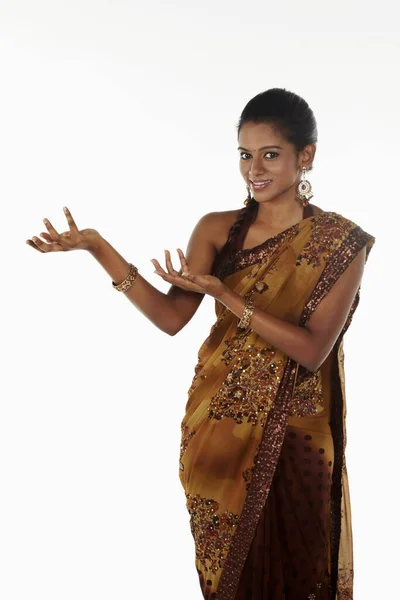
[338, 263]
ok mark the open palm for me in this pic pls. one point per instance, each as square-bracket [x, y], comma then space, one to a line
[185, 279]
[74, 239]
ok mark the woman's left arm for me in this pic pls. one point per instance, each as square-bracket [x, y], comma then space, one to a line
[311, 344]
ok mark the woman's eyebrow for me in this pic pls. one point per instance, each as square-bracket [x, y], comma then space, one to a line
[262, 148]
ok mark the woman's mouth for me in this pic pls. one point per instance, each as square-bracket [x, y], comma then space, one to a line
[260, 185]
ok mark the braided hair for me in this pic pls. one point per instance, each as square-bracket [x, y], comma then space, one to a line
[294, 120]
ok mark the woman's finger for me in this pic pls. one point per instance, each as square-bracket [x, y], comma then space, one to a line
[71, 222]
[183, 283]
[30, 243]
[169, 264]
[54, 234]
[158, 266]
[182, 258]
[46, 236]
[42, 246]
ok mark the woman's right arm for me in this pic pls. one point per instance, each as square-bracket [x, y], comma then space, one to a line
[169, 311]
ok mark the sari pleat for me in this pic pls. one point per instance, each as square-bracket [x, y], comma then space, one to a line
[262, 458]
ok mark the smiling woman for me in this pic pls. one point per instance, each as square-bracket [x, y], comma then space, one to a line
[262, 454]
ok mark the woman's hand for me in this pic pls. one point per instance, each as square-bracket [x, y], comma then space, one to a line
[204, 284]
[69, 240]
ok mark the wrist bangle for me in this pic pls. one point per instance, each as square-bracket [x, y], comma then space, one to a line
[126, 284]
[247, 312]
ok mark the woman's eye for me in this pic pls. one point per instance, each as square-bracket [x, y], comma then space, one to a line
[247, 154]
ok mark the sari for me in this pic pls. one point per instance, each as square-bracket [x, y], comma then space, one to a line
[262, 453]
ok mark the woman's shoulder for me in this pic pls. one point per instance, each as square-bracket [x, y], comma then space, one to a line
[218, 224]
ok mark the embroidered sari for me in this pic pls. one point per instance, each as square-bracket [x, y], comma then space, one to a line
[262, 456]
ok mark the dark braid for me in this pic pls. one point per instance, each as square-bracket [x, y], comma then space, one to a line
[294, 120]
[245, 218]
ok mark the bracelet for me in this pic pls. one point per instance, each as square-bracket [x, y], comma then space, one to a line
[126, 284]
[247, 312]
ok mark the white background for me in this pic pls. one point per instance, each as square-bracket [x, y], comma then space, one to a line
[126, 113]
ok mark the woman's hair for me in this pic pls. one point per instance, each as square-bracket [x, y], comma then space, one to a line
[293, 119]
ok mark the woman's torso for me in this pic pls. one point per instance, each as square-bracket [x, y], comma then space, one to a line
[253, 242]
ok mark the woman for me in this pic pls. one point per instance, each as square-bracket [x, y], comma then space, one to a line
[262, 457]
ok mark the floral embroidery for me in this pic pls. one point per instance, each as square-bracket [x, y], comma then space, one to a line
[249, 389]
[307, 395]
[234, 345]
[328, 231]
[212, 532]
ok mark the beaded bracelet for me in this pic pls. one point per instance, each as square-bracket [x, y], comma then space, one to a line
[126, 284]
[247, 312]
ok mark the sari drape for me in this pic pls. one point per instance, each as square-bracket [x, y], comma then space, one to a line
[262, 455]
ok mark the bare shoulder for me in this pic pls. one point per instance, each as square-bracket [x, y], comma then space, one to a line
[217, 225]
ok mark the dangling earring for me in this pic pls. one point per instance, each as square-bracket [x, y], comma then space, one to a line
[248, 199]
[304, 189]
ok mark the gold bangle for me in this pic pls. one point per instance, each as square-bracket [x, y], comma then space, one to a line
[126, 284]
[247, 312]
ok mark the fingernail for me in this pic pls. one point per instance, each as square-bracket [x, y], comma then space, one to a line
[45, 221]
[65, 208]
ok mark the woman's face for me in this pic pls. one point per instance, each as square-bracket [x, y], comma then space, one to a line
[265, 155]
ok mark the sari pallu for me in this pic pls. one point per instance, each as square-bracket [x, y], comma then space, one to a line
[246, 402]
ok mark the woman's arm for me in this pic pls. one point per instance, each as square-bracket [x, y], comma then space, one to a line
[309, 345]
[169, 311]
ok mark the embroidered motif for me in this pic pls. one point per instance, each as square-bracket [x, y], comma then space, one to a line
[259, 254]
[248, 391]
[337, 264]
[328, 232]
[234, 345]
[307, 395]
[211, 531]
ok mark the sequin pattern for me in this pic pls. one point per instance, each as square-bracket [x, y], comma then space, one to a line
[327, 232]
[339, 261]
[211, 530]
[248, 391]
[307, 395]
[262, 253]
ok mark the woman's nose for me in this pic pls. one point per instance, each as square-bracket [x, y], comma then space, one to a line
[257, 167]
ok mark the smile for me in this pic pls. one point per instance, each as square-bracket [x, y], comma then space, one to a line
[261, 184]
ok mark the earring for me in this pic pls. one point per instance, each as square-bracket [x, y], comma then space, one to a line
[248, 199]
[304, 189]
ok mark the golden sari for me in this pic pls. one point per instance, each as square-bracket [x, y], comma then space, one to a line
[262, 458]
